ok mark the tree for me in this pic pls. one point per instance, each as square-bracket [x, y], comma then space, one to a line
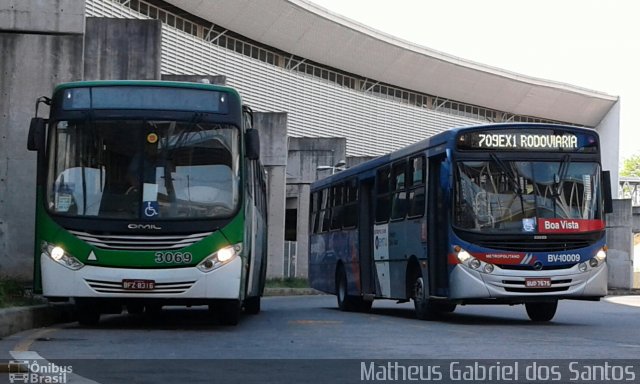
[631, 167]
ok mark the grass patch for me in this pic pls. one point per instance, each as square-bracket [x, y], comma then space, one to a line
[287, 282]
[16, 293]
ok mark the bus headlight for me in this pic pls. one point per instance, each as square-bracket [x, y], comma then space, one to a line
[599, 258]
[462, 255]
[60, 256]
[465, 258]
[219, 258]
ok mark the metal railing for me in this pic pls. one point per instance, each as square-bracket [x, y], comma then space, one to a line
[630, 189]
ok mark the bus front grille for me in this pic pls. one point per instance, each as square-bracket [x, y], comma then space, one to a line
[140, 242]
[103, 286]
[542, 246]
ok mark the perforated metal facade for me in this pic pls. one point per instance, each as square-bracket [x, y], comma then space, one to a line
[316, 108]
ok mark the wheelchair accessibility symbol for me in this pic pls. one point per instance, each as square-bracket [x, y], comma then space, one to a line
[151, 209]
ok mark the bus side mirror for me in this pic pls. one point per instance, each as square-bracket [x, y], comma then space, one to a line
[252, 143]
[606, 192]
[36, 138]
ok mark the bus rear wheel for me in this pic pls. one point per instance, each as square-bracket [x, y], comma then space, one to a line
[541, 311]
[348, 302]
[344, 302]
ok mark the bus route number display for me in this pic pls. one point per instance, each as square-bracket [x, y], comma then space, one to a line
[526, 141]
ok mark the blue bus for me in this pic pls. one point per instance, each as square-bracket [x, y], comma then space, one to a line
[491, 214]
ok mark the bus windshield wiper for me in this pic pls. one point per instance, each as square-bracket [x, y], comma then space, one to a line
[558, 181]
[512, 179]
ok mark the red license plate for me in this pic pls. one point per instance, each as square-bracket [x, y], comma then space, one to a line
[541, 282]
[138, 285]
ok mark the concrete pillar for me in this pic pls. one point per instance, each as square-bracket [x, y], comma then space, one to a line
[40, 46]
[122, 49]
[620, 242]
[273, 153]
[275, 220]
[302, 231]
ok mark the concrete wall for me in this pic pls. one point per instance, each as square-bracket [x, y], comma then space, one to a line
[42, 16]
[122, 49]
[620, 242]
[273, 153]
[304, 157]
[43, 48]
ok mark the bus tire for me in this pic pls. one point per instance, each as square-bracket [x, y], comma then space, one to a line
[345, 302]
[252, 305]
[87, 313]
[424, 308]
[541, 311]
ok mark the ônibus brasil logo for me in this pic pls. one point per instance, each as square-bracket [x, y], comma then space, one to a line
[34, 371]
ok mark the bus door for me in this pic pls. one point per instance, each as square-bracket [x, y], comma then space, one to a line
[438, 224]
[365, 233]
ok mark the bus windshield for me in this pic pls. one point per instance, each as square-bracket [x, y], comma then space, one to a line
[513, 196]
[133, 169]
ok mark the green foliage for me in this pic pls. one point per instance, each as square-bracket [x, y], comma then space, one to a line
[287, 282]
[631, 167]
[15, 293]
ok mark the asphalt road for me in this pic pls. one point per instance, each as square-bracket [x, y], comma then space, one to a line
[186, 345]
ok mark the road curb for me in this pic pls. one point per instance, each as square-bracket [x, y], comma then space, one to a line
[18, 319]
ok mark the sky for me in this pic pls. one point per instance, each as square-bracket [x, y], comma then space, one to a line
[593, 44]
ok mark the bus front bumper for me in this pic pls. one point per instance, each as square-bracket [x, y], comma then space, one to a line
[570, 283]
[108, 282]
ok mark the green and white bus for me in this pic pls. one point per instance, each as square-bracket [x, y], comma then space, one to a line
[149, 193]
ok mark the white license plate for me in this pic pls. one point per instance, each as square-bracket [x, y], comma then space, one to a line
[540, 282]
[138, 285]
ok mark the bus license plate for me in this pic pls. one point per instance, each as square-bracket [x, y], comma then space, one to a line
[138, 285]
[541, 282]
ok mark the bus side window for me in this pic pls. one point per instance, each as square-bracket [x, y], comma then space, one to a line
[350, 210]
[383, 195]
[336, 207]
[398, 185]
[416, 187]
[326, 210]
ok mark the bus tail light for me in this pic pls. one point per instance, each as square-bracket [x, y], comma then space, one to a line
[60, 256]
[220, 257]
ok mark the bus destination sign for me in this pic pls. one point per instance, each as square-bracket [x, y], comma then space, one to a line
[527, 140]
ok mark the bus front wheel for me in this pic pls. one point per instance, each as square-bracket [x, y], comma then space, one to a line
[252, 305]
[423, 306]
[541, 311]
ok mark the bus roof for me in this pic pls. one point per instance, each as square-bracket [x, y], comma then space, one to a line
[445, 139]
[145, 83]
